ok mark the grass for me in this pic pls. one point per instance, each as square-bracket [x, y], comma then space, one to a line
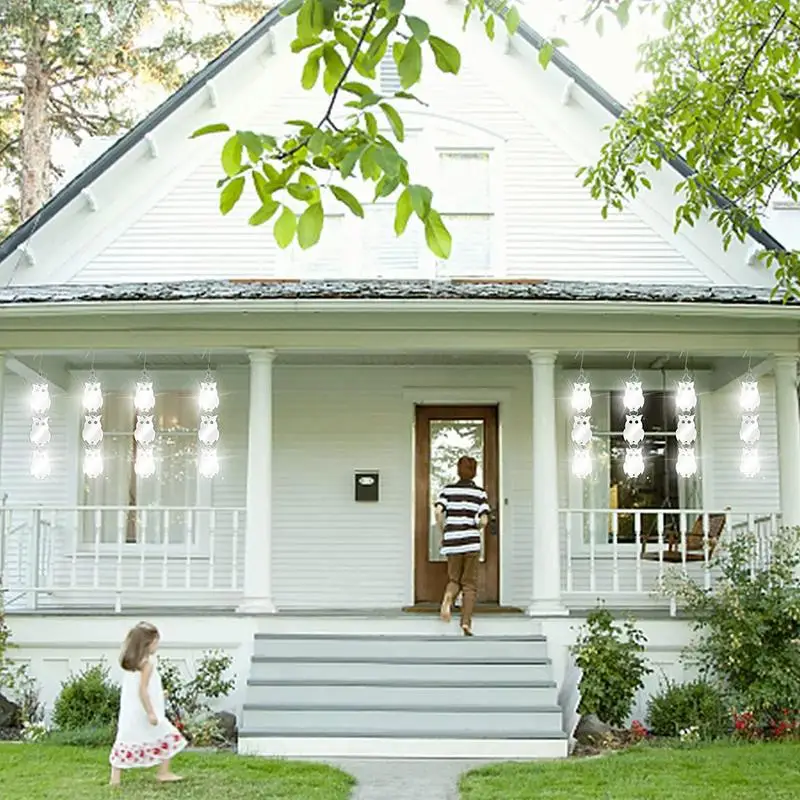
[727, 771]
[49, 772]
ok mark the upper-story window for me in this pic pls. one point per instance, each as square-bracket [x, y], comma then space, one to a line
[464, 197]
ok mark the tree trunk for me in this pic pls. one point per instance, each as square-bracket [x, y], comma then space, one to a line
[36, 139]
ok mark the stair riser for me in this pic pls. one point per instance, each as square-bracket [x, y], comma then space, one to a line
[393, 722]
[426, 696]
[399, 672]
[450, 648]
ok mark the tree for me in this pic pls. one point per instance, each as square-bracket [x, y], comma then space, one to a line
[68, 69]
[725, 96]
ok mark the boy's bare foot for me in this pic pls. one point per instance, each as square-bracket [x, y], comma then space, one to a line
[467, 630]
[446, 611]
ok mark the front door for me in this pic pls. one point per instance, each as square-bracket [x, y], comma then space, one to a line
[442, 435]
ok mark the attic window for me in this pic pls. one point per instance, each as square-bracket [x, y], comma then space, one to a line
[389, 76]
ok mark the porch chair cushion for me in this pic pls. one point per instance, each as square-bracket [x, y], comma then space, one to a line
[695, 550]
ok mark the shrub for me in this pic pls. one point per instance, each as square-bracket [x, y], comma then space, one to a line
[610, 656]
[747, 628]
[204, 730]
[87, 700]
[188, 700]
[88, 736]
[696, 707]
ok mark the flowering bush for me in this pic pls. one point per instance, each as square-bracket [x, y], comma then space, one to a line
[639, 731]
[685, 706]
[746, 726]
[689, 735]
[204, 730]
[748, 625]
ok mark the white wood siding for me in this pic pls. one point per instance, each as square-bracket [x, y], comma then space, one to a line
[540, 222]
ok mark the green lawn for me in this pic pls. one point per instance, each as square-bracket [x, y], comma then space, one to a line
[48, 772]
[713, 772]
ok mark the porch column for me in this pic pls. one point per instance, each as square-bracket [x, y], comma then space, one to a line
[258, 526]
[788, 414]
[546, 594]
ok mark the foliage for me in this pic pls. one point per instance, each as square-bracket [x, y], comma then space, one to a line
[718, 771]
[72, 69]
[689, 709]
[726, 97]
[45, 772]
[188, 700]
[748, 626]
[610, 656]
[87, 736]
[204, 730]
[88, 699]
[344, 41]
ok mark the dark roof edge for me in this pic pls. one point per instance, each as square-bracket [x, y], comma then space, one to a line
[135, 135]
[613, 106]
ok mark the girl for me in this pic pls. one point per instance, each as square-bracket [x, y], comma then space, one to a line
[145, 737]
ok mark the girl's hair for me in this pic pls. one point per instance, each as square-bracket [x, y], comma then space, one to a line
[136, 646]
[467, 468]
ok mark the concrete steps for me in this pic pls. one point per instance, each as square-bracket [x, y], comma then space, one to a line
[323, 695]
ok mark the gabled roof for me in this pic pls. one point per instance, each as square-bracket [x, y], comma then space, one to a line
[127, 142]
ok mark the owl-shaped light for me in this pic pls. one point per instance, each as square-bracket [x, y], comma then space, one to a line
[581, 396]
[145, 463]
[208, 463]
[749, 397]
[582, 462]
[92, 433]
[686, 430]
[144, 399]
[209, 396]
[581, 428]
[633, 465]
[686, 396]
[750, 464]
[208, 430]
[686, 464]
[749, 432]
[40, 430]
[92, 396]
[93, 463]
[633, 399]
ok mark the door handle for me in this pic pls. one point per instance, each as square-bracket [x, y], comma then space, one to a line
[492, 526]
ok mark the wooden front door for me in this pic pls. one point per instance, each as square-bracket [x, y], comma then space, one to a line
[442, 435]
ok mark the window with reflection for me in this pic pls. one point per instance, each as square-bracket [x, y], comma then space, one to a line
[659, 487]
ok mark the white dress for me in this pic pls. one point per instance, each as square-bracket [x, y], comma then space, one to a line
[138, 743]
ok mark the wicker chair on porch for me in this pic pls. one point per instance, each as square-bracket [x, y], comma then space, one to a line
[695, 542]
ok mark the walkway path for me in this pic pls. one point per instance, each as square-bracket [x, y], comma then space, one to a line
[404, 779]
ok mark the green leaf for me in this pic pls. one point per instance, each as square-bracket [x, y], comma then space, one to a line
[218, 127]
[311, 69]
[447, 57]
[378, 45]
[396, 6]
[298, 45]
[348, 163]
[546, 53]
[230, 194]
[309, 227]
[386, 185]
[232, 156]
[300, 192]
[290, 7]
[438, 238]
[489, 26]
[395, 121]
[421, 198]
[285, 227]
[512, 20]
[409, 66]
[262, 187]
[265, 213]
[388, 159]
[371, 124]
[418, 27]
[599, 24]
[253, 143]
[334, 69]
[343, 196]
[403, 212]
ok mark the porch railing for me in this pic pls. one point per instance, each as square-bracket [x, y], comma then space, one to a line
[99, 555]
[625, 554]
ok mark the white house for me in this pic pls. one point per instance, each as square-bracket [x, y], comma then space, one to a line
[349, 379]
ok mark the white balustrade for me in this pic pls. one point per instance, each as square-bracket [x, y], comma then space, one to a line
[100, 556]
[622, 556]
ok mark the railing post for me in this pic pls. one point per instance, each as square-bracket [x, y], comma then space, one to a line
[33, 600]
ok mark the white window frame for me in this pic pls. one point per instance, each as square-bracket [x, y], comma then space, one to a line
[603, 381]
[115, 381]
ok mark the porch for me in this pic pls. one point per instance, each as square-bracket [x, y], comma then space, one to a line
[282, 527]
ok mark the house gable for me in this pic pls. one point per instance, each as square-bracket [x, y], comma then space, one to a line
[153, 214]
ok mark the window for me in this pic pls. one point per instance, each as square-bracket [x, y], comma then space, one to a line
[464, 198]
[659, 487]
[176, 484]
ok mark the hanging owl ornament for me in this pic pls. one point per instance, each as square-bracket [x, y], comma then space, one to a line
[686, 432]
[634, 431]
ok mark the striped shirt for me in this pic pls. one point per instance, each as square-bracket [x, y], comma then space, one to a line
[463, 504]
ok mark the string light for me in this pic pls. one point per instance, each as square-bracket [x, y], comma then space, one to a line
[40, 430]
[208, 430]
[92, 427]
[144, 434]
[686, 430]
[633, 434]
[581, 427]
[749, 431]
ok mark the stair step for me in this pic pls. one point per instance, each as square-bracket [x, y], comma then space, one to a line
[434, 695]
[492, 723]
[452, 648]
[406, 671]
